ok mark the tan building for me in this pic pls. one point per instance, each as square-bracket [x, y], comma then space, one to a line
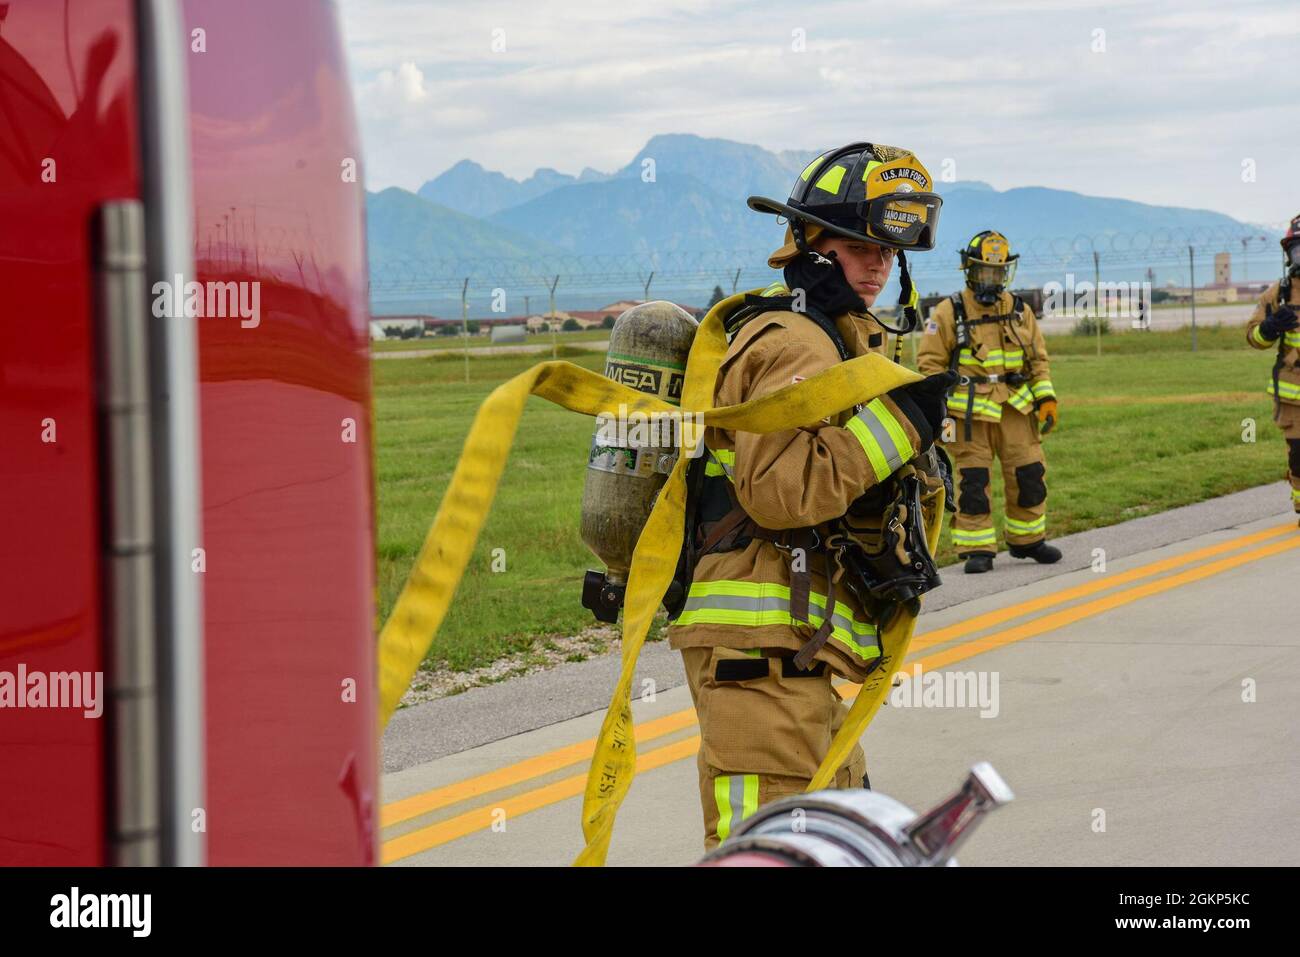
[1211, 295]
[1223, 269]
[616, 309]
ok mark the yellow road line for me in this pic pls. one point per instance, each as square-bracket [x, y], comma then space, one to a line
[477, 819]
[423, 803]
[1103, 583]
[1069, 616]
[534, 767]
[482, 818]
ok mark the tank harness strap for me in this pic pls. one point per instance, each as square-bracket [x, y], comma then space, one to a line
[1284, 299]
[727, 534]
[804, 656]
[807, 540]
[963, 342]
[755, 305]
[722, 535]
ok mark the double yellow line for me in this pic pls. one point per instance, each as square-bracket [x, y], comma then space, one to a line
[482, 817]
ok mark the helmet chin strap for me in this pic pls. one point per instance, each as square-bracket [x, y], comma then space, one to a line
[800, 238]
[906, 299]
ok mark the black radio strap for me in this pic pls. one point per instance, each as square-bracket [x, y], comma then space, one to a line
[1283, 299]
[963, 341]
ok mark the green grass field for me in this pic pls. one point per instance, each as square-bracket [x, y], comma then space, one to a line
[1146, 427]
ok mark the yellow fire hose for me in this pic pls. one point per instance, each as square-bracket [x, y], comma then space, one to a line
[413, 625]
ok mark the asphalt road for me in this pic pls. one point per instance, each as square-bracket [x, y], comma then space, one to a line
[1161, 319]
[527, 349]
[1165, 319]
[1144, 714]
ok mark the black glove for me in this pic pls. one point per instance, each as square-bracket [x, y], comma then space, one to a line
[1278, 321]
[822, 280]
[925, 403]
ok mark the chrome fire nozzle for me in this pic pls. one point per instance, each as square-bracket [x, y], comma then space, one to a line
[861, 828]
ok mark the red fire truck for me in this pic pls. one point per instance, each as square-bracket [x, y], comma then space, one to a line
[185, 437]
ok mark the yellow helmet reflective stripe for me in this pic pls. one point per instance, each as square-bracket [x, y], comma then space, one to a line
[831, 179]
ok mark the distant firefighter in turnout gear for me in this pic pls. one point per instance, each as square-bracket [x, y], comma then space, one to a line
[771, 613]
[1000, 407]
[1275, 326]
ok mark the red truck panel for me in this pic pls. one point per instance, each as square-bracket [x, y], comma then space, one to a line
[286, 439]
[67, 94]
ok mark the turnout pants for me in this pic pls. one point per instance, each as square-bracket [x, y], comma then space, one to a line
[764, 729]
[1288, 420]
[1015, 443]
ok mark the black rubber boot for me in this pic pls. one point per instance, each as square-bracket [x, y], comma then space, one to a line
[979, 562]
[1040, 552]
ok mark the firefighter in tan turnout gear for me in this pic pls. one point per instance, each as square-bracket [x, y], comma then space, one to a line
[762, 630]
[1000, 407]
[1275, 326]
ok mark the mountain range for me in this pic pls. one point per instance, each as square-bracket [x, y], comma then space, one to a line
[682, 197]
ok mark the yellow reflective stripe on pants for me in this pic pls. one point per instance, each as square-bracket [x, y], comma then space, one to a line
[970, 538]
[882, 437]
[1285, 390]
[737, 797]
[754, 604]
[1035, 527]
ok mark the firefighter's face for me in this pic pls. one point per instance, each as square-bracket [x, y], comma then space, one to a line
[866, 266]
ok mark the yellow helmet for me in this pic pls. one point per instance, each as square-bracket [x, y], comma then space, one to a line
[989, 265]
[870, 192]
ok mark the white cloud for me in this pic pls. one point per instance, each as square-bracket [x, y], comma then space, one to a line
[407, 83]
[1009, 89]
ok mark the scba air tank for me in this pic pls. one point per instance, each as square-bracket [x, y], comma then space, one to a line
[648, 348]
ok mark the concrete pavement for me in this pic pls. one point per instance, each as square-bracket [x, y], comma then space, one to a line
[1124, 719]
[482, 715]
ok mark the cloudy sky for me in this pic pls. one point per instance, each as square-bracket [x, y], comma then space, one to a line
[1174, 103]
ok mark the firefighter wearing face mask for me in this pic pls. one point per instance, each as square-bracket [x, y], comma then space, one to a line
[1000, 407]
[772, 611]
[1275, 326]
